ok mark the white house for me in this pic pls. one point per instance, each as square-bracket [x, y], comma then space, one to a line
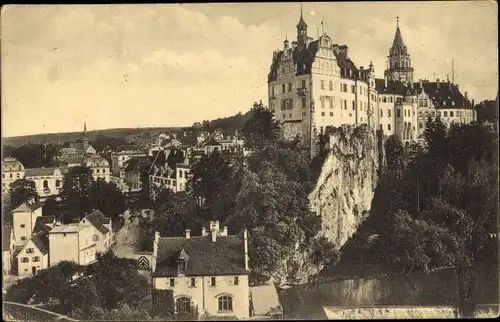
[72, 242]
[102, 234]
[99, 166]
[34, 256]
[207, 274]
[23, 220]
[48, 181]
[12, 170]
[8, 247]
[119, 161]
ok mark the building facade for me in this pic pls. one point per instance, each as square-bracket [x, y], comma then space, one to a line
[48, 181]
[99, 166]
[207, 275]
[119, 161]
[12, 170]
[8, 248]
[34, 256]
[102, 234]
[72, 242]
[314, 84]
[23, 220]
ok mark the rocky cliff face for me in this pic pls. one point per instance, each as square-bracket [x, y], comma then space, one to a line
[345, 188]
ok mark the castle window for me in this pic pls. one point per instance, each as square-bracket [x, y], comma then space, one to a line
[45, 184]
[225, 303]
[236, 280]
[353, 105]
[381, 113]
[303, 113]
[331, 85]
[389, 127]
[344, 87]
[322, 84]
[322, 102]
[331, 113]
[322, 113]
[283, 88]
[390, 99]
[331, 102]
[451, 113]
[353, 89]
[304, 102]
[172, 282]
[445, 114]
[290, 115]
[272, 90]
[384, 99]
[398, 113]
[289, 87]
[193, 282]
[212, 281]
[304, 82]
[18, 175]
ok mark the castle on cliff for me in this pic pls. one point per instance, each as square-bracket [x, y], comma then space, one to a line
[314, 84]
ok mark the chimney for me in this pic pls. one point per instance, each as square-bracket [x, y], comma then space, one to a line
[188, 233]
[245, 241]
[214, 235]
[385, 85]
[203, 232]
[466, 95]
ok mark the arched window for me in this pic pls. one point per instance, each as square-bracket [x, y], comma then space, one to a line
[45, 184]
[225, 303]
[183, 305]
[58, 183]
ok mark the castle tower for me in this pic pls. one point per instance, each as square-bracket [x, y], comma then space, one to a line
[399, 61]
[301, 31]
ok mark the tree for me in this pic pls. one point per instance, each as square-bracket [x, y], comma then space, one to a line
[107, 198]
[22, 190]
[76, 191]
[176, 214]
[49, 207]
[394, 155]
[261, 129]
[210, 178]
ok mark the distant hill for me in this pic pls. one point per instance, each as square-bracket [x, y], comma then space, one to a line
[226, 124]
[92, 135]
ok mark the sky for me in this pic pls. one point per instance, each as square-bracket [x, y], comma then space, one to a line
[147, 65]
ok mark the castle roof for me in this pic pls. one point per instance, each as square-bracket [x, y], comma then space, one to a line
[393, 87]
[398, 39]
[444, 94]
[224, 257]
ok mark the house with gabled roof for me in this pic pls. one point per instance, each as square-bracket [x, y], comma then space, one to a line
[34, 256]
[8, 248]
[102, 234]
[23, 220]
[48, 181]
[72, 242]
[207, 275]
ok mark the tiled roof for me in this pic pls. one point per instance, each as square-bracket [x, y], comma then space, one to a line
[393, 87]
[6, 231]
[73, 158]
[27, 207]
[41, 240]
[39, 172]
[443, 95]
[69, 228]
[94, 219]
[224, 257]
[42, 222]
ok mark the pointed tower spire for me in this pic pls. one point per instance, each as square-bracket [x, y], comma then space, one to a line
[301, 31]
[398, 39]
[399, 64]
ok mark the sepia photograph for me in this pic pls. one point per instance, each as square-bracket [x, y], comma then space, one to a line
[250, 161]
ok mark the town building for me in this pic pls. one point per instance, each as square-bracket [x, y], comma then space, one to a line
[48, 181]
[206, 275]
[44, 223]
[8, 248]
[133, 172]
[79, 148]
[102, 234]
[72, 242]
[12, 170]
[34, 256]
[23, 220]
[314, 84]
[170, 169]
[99, 166]
[119, 161]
